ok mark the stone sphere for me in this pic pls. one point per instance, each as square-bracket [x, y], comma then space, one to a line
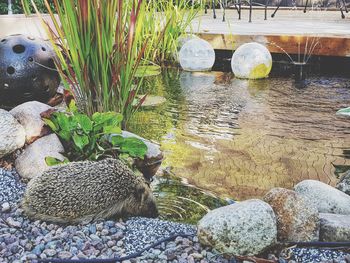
[180, 42]
[197, 55]
[251, 61]
[27, 70]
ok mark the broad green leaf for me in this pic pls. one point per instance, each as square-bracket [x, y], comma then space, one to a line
[106, 119]
[63, 121]
[147, 71]
[72, 107]
[134, 147]
[80, 140]
[51, 161]
[51, 124]
[117, 140]
[112, 129]
[84, 121]
[64, 134]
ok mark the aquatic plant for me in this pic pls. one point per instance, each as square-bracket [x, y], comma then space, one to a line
[99, 48]
[89, 137]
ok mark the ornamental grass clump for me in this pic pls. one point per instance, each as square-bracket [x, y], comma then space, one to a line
[164, 22]
[99, 49]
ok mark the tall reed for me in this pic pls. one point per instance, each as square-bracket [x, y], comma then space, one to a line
[164, 21]
[99, 49]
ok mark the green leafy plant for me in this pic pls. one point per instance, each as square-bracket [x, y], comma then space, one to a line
[93, 137]
[99, 49]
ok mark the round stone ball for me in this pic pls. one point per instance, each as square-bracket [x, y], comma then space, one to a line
[27, 70]
[251, 61]
[197, 55]
[182, 39]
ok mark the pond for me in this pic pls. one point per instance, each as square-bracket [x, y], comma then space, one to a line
[240, 138]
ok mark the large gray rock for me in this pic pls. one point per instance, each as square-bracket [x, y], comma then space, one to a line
[296, 220]
[334, 228]
[32, 161]
[152, 160]
[12, 134]
[326, 198]
[344, 183]
[245, 228]
[28, 114]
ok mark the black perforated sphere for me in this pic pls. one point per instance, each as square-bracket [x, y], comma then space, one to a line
[27, 70]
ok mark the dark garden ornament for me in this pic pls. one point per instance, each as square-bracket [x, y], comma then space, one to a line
[27, 70]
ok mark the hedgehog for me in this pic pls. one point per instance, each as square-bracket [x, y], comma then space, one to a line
[82, 192]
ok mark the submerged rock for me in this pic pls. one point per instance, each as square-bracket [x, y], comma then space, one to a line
[344, 184]
[326, 198]
[296, 220]
[245, 228]
[12, 134]
[28, 114]
[334, 228]
[32, 161]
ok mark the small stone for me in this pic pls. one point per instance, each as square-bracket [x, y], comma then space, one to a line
[74, 250]
[31, 256]
[113, 230]
[5, 207]
[99, 226]
[81, 255]
[197, 256]
[50, 252]
[64, 254]
[115, 248]
[111, 243]
[95, 237]
[13, 223]
[92, 229]
[120, 243]
[104, 232]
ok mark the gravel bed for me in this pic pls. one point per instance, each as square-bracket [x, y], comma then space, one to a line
[310, 255]
[11, 189]
[22, 240]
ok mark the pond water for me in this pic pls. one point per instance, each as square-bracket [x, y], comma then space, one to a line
[240, 138]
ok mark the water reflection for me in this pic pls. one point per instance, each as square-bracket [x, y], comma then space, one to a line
[240, 138]
[179, 201]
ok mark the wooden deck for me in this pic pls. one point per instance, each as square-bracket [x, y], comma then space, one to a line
[290, 30]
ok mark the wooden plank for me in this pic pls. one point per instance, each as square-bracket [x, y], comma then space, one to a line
[291, 31]
[323, 46]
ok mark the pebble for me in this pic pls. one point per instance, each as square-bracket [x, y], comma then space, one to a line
[5, 207]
